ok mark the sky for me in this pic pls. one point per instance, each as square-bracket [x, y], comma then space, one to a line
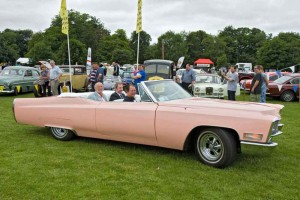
[160, 16]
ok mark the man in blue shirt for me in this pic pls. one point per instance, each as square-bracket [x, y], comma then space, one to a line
[55, 73]
[139, 77]
[99, 73]
[188, 78]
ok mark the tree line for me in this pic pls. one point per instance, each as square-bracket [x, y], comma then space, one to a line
[231, 45]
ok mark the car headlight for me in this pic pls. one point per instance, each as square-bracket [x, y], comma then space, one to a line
[221, 89]
[197, 89]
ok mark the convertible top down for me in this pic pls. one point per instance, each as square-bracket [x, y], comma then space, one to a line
[164, 116]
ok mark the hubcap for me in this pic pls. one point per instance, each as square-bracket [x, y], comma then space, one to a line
[210, 146]
[59, 132]
[288, 96]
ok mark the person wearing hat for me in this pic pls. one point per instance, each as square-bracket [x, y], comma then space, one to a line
[44, 77]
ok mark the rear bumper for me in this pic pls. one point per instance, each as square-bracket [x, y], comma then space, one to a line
[7, 91]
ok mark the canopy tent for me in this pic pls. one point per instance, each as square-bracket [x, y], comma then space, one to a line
[203, 61]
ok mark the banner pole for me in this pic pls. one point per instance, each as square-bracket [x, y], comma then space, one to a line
[69, 63]
[138, 51]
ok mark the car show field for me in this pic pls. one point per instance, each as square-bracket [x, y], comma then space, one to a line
[34, 165]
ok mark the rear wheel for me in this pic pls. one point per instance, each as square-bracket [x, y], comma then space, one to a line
[215, 147]
[288, 96]
[62, 134]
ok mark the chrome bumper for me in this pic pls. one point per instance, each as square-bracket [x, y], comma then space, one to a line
[7, 91]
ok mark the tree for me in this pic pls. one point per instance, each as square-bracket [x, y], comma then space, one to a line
[144, 48]
[242, 43]
[281, 51]
[116, 44]
[194, 45]
[173, 44]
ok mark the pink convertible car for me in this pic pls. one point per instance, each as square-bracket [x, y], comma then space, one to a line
[164, 116]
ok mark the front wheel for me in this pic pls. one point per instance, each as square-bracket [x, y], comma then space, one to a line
[215, 147]
[62, 134]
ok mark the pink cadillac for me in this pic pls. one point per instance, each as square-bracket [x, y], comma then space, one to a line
[165, 116]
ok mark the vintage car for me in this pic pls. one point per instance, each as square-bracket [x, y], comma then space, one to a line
[165, 116]
[286, 87]
[109, 82]
[18, 79]
[245, 75]
[210, 85]
[272, 76]
[79, 78]
[126, 77]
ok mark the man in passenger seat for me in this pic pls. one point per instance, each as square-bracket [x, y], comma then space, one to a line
[98, 94]
[118, 94]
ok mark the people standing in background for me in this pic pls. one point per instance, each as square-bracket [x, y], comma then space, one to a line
[116, 69]
[255, 88]
[55, 74]
[45, 81]
[139, 76]
[264, 85]
[99, 73]
[232, 79]
[93, 76]
[188, 78]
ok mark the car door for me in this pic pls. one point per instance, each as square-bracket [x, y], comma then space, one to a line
[127, 121]
[295, 84]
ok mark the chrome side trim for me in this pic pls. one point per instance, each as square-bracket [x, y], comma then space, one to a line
[272, 144]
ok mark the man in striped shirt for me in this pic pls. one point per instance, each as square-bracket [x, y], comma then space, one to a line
[93, 75]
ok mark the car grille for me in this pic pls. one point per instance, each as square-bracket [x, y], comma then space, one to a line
[209, 91]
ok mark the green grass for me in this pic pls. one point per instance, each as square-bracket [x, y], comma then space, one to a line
[33, 165]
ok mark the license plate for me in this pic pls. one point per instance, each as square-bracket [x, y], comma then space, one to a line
[1, 87]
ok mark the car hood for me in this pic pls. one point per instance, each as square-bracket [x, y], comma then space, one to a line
[218, 105]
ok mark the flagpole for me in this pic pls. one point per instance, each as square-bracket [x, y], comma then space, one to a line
[69, 63]
[138, 51]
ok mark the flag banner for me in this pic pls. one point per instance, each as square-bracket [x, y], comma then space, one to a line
[180, 61]
[139, 17]
[295, 88]
[278, 73]
[89, 57]
[293, 68]
[279, 87]
[64, 16]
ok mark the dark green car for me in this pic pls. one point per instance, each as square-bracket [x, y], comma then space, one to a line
[18, 79]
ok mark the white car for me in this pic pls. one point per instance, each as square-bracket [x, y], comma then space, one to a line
[210, 85]
[180, 71]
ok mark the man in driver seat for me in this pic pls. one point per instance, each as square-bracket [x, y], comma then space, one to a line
[130, 94]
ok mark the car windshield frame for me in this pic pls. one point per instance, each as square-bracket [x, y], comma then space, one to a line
[283, 79]
[163, 90]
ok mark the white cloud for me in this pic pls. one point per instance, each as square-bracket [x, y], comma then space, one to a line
[159, 16]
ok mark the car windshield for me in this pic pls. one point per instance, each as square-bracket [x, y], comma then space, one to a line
[12, 72]
[208, 79]
[282, 79]
[166, 90]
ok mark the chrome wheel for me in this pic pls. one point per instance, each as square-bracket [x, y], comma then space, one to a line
[210, 146]
[62, 133]
[216, 147]
[288, 96]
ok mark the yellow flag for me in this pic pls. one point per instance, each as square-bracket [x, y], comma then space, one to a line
[139, 17]
[64, 16]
